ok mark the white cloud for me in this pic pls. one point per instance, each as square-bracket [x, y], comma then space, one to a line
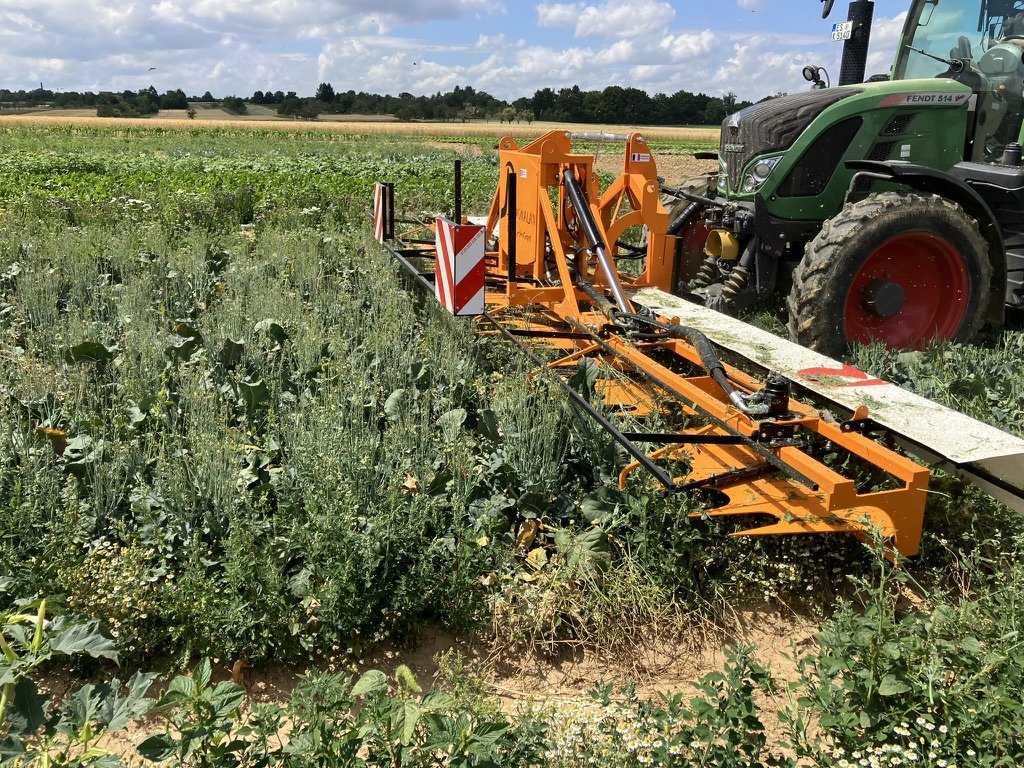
[559, 14]
[689, 45]
[393, 46]
[614, 18]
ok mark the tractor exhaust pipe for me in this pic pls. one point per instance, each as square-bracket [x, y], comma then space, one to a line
[855, 49]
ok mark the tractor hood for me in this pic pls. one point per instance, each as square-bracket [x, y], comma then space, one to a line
[771, 126]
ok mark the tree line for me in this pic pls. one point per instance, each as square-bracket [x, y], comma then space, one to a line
[614, 104]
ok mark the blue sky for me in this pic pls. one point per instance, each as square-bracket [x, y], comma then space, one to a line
[752, 48]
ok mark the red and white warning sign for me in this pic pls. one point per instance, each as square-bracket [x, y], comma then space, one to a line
[459, 284]
[379, 210]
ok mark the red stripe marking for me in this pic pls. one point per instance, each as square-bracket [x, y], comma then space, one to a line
[859, 378]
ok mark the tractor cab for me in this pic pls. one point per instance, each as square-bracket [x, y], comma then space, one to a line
[980, 47]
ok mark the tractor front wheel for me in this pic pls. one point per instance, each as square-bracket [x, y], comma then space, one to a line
[896, 268]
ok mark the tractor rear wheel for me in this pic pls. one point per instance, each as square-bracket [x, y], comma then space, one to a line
[896, 268]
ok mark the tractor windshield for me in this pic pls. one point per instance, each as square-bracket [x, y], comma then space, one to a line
[953, 29]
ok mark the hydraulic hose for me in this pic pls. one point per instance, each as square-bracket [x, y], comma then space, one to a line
[711, 362]
[593, 234]
[772, 400]
[685, 217]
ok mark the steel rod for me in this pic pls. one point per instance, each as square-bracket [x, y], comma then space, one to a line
[597, 243]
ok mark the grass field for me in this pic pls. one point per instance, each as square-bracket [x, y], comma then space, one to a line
[231, 430]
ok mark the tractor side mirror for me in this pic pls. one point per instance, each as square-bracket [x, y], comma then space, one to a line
[827, 9]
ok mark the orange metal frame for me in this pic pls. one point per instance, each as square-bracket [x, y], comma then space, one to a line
[545, 283]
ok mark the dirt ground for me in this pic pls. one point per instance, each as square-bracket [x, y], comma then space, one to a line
[657, 664]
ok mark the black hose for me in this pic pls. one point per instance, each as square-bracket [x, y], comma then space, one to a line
[684, 218]
[709, 359]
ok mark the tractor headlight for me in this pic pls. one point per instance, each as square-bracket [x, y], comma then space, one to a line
[759, 174]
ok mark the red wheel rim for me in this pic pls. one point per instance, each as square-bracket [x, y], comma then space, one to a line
[913, 288]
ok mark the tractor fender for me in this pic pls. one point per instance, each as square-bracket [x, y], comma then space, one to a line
[932, 181]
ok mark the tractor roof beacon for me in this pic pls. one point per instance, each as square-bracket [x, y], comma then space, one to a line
[891, 210]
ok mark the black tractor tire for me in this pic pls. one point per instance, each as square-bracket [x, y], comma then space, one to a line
[900, 268]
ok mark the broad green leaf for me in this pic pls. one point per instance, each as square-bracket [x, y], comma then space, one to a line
[486, 735]
[451, 421]
[90, 352]
[487, 424]
[586, 552]
[890, 686]
[79, 709]
[227, 697]
[371, 682]
[158, 747]
[118, 711]
[273, 329]
[585, 379]
[182, 686]
[410, 716]
[254, 394]
[437, 701]
[202, 674]
[231, 353]
[70, 636]
[28, 710]
[395, 403]
[11, 749]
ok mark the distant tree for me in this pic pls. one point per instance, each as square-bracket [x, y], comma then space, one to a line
[257, 97]
[507, 115]
[126, 104]
[207, 97]
[174, 100]
[306, 109]
[405, 114]
[325, 93]
[543, 103]
[234, 105]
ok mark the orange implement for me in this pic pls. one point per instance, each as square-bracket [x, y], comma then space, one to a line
[557, 284]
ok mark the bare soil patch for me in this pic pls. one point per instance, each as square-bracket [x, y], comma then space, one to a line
[657, 664]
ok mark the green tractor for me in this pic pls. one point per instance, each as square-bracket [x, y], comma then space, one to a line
[893, 209]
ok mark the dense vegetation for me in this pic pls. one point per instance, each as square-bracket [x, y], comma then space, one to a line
[229, 428]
